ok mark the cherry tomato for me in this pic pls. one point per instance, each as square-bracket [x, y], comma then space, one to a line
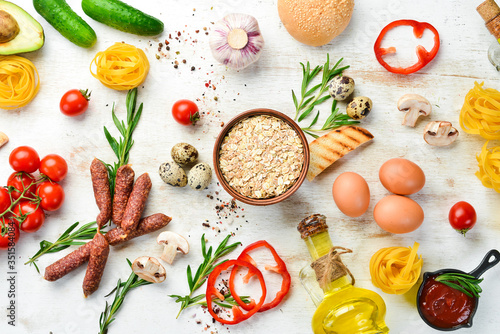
[462, 217]
[21, 181]
[75, 102]
[54, 166]
[52, 195]
[185, 112]
[10, 233]
[24, 159]
[4, 200]
[31, 217]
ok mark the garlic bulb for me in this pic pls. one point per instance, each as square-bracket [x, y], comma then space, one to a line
[236, 41]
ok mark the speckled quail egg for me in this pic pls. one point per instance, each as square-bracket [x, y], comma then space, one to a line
[199, 176]
[173, 174]
[341, 87]
[359, 107]
[184, 153]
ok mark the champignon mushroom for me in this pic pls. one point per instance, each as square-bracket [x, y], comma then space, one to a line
[440, 133]
[173, 243]
[149, 269]
[415, 106]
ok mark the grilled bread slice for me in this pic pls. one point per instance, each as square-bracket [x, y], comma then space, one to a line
[327, 149]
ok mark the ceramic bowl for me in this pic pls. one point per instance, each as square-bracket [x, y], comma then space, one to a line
[224, 132]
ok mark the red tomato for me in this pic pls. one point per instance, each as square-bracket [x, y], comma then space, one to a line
[462, 217]
[31, 216]
[75, 102]
[52, 195]
[4, 200]
[10, 233]
[24, 159]
[54, 166]
[21, 181]
[185, 112]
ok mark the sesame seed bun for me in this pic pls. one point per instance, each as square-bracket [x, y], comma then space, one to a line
[315, 22]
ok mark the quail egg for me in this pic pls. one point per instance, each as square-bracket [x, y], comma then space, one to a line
[359, 107]
[200, 176]
[173, 174]
[184, 153]
[341, 87]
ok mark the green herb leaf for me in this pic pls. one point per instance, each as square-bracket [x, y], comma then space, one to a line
[465, 283]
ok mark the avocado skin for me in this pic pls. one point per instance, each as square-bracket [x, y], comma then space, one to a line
[30, 37]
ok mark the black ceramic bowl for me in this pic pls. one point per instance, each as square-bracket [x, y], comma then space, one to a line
[489, 261]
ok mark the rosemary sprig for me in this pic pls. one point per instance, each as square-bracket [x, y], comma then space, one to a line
[308, 101]
[333, 121]
[85, 232]
[121, 290]
[209, 263]
[465, 283]
[124, 144]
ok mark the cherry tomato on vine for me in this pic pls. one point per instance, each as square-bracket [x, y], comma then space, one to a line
[4, 200]
[51, 194]
[462, 217]
[20, 181]
[75, 102]
[185, 112]
[10, 233]
[54, 166]
[24, 159]
[31, 217]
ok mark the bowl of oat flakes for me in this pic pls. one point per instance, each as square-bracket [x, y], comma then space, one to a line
[261, 157]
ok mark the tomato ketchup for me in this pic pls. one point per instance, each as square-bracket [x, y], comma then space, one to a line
[443, 306]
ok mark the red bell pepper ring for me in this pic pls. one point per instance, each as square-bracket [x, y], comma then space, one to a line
[212, 291]
[280, 268]
[424, 56]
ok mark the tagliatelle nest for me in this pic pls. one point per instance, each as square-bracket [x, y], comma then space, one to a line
[19, 82]
[121, 66]
[489, 167]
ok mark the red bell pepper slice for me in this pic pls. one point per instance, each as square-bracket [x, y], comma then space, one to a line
[280, 268]
[212, 291]
[424, 56]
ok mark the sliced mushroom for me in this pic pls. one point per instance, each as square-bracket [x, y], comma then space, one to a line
[149, 269]
[415, 106]
[173, 243]
[440, 133]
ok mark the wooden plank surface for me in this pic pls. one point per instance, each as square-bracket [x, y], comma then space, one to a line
[59, 307]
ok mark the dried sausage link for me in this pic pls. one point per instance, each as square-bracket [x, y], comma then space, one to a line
[102, 192]
[146, 225]
[99, 252]
[68, 263]
[136, 203]
[123, 187]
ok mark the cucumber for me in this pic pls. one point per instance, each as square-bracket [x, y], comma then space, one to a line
[121, 16]
[60, 15]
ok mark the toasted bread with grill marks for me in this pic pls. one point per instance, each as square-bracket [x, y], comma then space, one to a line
[327, 149]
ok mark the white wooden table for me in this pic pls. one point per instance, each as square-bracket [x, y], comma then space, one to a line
[59, 307]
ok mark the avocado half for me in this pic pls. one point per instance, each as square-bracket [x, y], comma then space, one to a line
[19, 31]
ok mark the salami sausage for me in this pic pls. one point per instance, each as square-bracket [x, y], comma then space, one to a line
[136, 203]
[146, 225]
[102, 193]
[68, 263]
[99, 252]
[123, 187]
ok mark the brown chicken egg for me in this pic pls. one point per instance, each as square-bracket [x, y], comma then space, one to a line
[351, 194]
[401, 176]
[398, 214]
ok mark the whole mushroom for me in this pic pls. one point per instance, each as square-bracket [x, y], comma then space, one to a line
[341, 87]
[359, 107]
[173, 243]
[440, 133]
[149, 269]
[415, 106]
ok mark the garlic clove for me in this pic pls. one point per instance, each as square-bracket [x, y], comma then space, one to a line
[236, 41]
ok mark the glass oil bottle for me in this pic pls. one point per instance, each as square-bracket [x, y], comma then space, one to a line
[341, 307]
[490, 12]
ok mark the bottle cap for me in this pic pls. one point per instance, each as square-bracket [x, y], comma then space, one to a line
[488, 10]
[312, 225]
